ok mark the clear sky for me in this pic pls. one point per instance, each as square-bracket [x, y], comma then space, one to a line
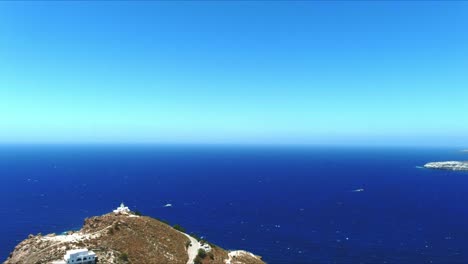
[371, 72]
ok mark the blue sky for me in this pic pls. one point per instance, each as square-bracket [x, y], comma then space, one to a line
[371, 72]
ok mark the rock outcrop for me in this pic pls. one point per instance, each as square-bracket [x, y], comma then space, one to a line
[448, 165]
[127, 238]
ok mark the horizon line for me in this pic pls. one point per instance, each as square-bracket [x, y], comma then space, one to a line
[463, 148]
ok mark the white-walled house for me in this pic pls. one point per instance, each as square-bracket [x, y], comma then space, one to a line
[80, 256]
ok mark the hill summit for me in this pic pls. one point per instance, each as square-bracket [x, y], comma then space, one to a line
[125, 237]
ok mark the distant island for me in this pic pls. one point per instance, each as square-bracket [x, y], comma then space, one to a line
[123, 236]
[448, 165]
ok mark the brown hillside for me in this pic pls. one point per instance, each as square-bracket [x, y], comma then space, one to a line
[124, 238]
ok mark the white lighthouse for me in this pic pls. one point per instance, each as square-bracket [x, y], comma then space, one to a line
[122, 209]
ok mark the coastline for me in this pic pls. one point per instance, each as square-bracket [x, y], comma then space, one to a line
[448, 165]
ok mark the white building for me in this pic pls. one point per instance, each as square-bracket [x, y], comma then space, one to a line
[122, 209]
[80, 256]
[205, 247]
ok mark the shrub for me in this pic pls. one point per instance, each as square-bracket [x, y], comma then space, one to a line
[201, 253]
[137, 213]
[201, 256]
[123, 256]
[163, 221]
[179, 228]
[198, 260]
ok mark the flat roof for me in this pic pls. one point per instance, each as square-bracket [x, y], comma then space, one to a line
[83, 251]
[73, 251]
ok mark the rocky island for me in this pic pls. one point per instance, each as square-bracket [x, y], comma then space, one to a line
[448, 165]
[125, 237]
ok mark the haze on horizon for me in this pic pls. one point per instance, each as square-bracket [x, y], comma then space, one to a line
[234, 72]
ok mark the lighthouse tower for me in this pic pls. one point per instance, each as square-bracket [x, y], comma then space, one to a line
[122, 209]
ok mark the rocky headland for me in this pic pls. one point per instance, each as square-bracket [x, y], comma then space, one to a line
[127, 238]
[448, 165]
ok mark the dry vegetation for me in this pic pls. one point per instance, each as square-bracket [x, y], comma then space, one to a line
[118, 239]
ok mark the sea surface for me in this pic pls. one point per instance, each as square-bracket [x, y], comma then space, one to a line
[289, 204]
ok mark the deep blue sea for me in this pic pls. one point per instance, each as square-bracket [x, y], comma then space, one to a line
[287, 204]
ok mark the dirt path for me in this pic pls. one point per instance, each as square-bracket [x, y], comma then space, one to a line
[72, 240]
[192, 250]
